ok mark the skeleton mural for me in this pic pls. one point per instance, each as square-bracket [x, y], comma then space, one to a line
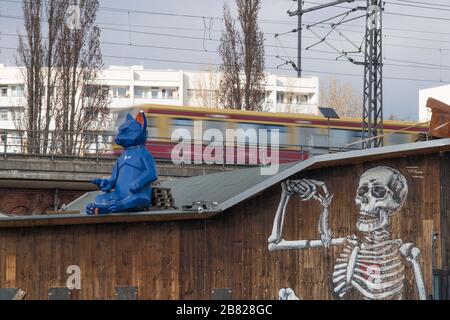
[373, 266]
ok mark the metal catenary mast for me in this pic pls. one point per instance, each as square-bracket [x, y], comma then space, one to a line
[373, 77]
[372, 120]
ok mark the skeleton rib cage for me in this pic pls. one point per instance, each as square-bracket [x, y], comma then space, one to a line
[375, 270]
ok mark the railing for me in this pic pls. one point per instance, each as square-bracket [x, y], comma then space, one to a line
[100, 145]
[63, 144]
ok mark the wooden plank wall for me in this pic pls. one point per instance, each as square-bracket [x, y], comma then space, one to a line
[187, 259]
[445, 210]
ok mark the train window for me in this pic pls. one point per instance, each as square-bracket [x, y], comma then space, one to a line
[312, 137]
[283, 133]
[340, 137]
[153, 130]
[214, 124]
[252, 135]
[398, 138]
[186, 124]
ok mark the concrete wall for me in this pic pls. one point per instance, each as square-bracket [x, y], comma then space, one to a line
[35, 185]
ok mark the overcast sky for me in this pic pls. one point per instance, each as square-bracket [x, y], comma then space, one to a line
[414, 47]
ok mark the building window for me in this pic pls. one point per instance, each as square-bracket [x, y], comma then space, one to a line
[17, 91]
[4, 115]
[289, 99]
[119, 92]
[191, 94]
[3, 91]
[141, 92]
[16, 114]
[155, 92]
[169, 93]
[303, 99]
[280, 97]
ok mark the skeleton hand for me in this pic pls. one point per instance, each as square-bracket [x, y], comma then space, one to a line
[308, 188]
[287, 294]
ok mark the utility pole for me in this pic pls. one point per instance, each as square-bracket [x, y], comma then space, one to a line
[299, 39]
[373, 77]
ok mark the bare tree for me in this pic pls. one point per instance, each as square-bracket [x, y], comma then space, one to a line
[253, 54]
[243, 79]
[64, 103]
[230, 92]
[207, 88]
[31, 57]
[341, 97]
[55, 19]
[83, 107]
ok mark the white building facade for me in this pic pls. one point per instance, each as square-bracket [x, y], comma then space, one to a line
[134, 85]
[441, 93]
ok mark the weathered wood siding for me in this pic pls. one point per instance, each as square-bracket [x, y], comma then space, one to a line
[445, 210]
[187, 259]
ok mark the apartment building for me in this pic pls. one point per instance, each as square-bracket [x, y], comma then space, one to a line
[134, 85]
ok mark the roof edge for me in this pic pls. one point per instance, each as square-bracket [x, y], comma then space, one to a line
[322, 159]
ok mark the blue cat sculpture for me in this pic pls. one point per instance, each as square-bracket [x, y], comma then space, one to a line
[129, 188]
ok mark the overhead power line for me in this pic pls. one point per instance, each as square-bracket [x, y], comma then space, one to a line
[269, 68]
[413, 64]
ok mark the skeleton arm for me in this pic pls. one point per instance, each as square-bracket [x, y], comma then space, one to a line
[307, 189]
[411, 253]
[325, 232]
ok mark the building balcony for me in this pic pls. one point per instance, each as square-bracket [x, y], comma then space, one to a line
[7, 124]
[118, 103]
[11, 101]
[167, 101]
[292, 108]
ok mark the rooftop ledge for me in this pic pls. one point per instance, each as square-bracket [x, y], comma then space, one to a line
[226, 188]
[79, 219]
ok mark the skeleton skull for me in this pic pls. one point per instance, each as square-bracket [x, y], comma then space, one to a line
[381, 192]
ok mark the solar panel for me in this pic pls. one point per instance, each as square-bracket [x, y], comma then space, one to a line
[328, 113]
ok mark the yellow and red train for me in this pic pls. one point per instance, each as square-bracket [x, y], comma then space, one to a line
[300, 136]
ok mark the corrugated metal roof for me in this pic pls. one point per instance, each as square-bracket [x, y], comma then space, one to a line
[231, 187]
[218, 187]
